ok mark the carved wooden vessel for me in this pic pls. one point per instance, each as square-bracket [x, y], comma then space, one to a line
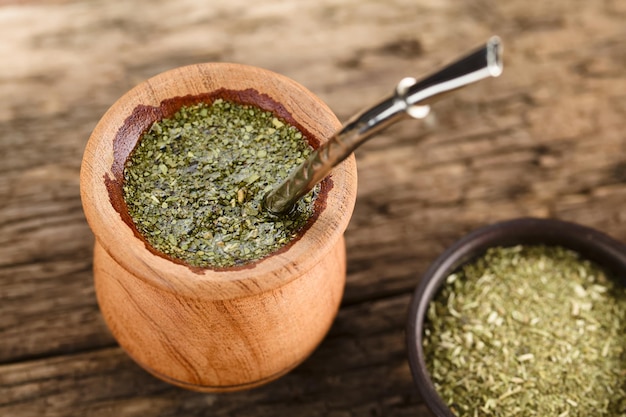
[214, 329]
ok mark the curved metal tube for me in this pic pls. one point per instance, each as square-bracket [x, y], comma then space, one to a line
[411, 99]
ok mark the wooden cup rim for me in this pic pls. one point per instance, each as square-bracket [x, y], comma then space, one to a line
[118, 131]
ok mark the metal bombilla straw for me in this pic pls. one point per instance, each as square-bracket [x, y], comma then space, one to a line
[411, 99]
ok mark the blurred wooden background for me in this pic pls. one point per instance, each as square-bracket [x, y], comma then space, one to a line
[547, 139]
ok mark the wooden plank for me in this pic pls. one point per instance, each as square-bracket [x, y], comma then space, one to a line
[361, 366]
[49, 308]
[545, 139]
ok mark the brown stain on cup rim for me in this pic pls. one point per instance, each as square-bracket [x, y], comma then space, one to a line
[142, 118]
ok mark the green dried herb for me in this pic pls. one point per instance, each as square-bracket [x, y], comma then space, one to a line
[529, 331]
[195, 182]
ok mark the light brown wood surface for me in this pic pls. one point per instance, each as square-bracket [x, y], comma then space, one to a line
[545, 139]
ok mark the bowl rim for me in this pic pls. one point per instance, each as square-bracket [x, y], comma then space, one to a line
[276, 270]
[590, 243]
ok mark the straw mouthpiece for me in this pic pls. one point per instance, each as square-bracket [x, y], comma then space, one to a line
[494, 56]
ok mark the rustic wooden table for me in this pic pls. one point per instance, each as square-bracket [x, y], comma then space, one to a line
[546, 139]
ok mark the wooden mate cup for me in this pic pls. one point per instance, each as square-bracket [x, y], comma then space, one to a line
[215, 329]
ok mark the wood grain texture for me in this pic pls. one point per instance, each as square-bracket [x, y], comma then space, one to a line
[212, 329]
[545, 139]
[117, 133]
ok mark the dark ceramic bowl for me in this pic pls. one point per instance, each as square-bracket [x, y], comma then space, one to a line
[589, 243]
